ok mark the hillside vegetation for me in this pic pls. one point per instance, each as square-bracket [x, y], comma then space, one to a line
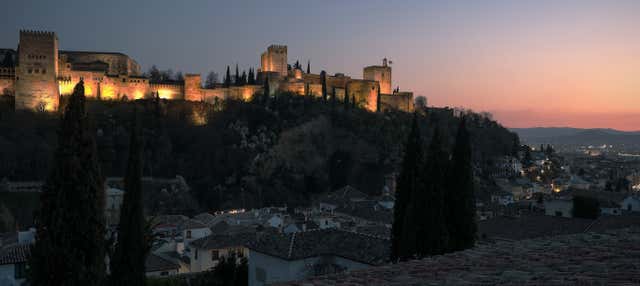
[247, 154]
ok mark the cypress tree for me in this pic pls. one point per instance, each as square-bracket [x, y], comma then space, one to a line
[460, 198]
[127, 263]
[403, 231]
[430, 204]
[353, 102]
[378, 100]
[243, 78]
[346, 96]
[227, 78]
[70, 245]
[252, 77]
[266, 91]
[308, 66]
[323, 81]
[236, 78]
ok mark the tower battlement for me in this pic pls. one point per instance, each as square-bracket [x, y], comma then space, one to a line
[37, 34]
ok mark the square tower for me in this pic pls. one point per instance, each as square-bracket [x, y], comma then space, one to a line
[381, 74]
[37, 71]
[275, 60]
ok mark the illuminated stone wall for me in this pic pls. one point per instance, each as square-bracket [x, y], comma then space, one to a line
[398, 101]
[36, 76]
[245, 93]
[275, 59]
[192, 87]
[99, 85]
[168, 91]
[365, 93]
[381, 74]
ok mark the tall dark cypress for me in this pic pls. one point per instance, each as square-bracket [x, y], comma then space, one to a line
[127, 263]
[460, 198]
[431, 208]
[403, 235]
[346, 96]
[227, 78]
[243, 78]
[323, 81]
[236, 78]
[70, 244]
[378, 101]
[266, 91]
[252, 77]
[309, 66]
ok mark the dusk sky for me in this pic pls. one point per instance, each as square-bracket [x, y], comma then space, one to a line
[530, 63]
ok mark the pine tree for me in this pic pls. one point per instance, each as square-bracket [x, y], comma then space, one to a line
[70, 245]
[430, 204]
[323, 81]
[212, 79]
[127, 263]
[227, 78]
[309, 66]
[403, 232]
[460, 198]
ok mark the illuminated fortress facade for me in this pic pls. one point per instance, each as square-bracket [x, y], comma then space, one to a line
[40, 74]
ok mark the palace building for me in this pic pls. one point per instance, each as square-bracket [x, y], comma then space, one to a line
[37, 74]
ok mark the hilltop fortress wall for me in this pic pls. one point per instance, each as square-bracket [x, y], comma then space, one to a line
[43, 74]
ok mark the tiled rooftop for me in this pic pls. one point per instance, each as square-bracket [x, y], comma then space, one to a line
[354, 246]
[607, 258]
[14, 254]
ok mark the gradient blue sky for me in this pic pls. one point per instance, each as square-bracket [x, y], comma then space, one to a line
[531, 63]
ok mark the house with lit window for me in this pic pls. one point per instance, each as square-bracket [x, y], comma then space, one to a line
[279, 257]
[205, 253]
[13, 264]
[192, 230]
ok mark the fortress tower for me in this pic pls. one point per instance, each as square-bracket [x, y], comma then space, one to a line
[381, 74]
[37, 71]
[275, 60]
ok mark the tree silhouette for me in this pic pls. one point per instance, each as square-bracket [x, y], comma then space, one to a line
[70, 245]
[127, 263]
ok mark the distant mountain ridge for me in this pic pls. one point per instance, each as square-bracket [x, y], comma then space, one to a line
[568, 135]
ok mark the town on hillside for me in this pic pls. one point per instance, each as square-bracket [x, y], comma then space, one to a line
[256, 143]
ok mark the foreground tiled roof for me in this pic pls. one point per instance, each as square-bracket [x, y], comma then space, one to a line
[156, 263]
[354, 246]
[220, 241]
[15, 254]
[608, 258]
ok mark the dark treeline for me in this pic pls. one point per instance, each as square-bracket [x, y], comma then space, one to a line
[278, 149]
[434, 211]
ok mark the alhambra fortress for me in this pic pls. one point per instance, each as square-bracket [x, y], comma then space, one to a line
[41, 74]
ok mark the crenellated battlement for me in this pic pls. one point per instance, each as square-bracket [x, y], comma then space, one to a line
[37, 34]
